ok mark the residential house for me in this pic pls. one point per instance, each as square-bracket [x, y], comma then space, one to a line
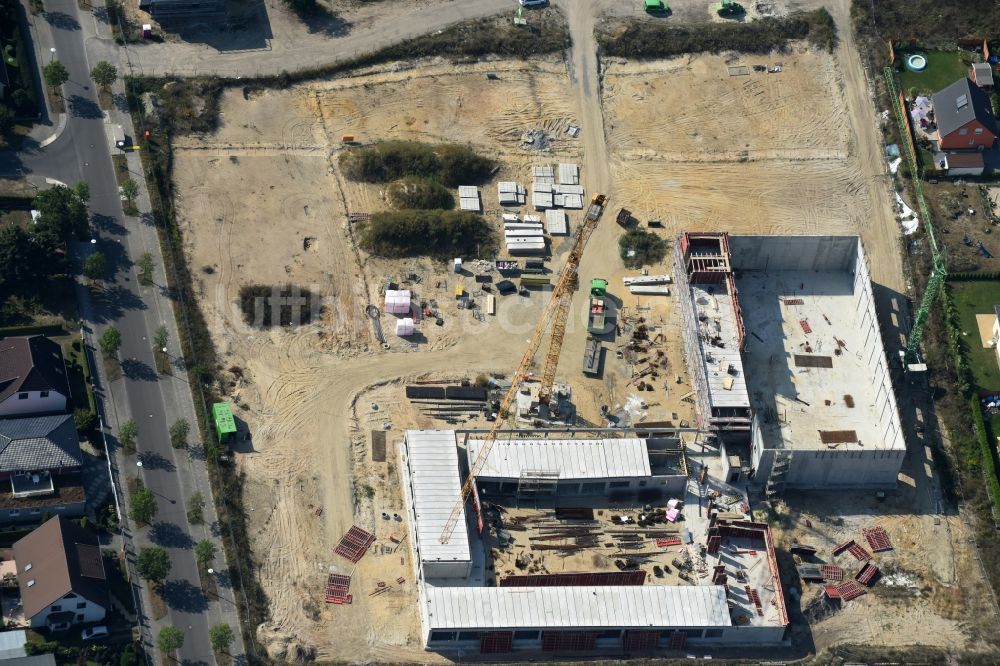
[32, 377]
[957, 164]
[964, 117]
[981, 74]
[40, 464]
[60, 573]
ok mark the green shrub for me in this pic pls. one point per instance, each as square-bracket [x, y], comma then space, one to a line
[419, 193]
[436, 233]
[639, 247]
[450, 164]
[644, 39]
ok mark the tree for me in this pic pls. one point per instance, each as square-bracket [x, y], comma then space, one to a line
[55, 74]
[22, 260]
[639, 247]
[130, 189]
[104, 74]
[127, 434]
[179, 433]
[6, 119]
[95, 267]
[170, 639]
[145, 266]
[221, 636]
[196, 509]
[82, 190]
[143, 504]
[153, 564]
[62, 213]
[160, 337]
[204, 552]
[111, 341]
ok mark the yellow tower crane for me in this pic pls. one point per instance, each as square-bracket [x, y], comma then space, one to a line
[555, 312]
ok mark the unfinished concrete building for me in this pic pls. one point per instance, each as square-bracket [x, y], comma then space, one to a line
[782, 340]
[580, 572]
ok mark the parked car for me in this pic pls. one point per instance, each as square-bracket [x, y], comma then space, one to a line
[93, 633]
[533, 3]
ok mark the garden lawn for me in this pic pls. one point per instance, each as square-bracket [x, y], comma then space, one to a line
[972, 298]
[943, 69]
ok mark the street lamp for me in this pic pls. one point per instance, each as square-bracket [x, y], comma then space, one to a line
[53, 52]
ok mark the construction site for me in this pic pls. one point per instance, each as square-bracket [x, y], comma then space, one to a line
[602, 459]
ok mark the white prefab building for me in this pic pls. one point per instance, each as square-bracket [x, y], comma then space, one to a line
[432, 489]
[462, 613]
[567, 467]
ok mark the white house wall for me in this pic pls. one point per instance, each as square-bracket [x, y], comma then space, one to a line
[34, 404]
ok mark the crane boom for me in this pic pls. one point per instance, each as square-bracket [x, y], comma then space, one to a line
[555, 311]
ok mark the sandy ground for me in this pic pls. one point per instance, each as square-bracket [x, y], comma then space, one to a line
[735, 153]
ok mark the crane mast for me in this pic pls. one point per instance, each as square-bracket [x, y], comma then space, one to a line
[556, 311]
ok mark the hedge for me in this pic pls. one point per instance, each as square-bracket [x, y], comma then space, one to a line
[449, 164]
[437, 233]
[989, 465]
[33, 329]
[974, 276]
[643, 39]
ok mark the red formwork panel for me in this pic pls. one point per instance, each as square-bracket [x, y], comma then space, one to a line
[831, 572]
[850, 589]
[569, 641]
[637, 641]
[355, 543]
[859, 553]
[496, 642]
[337, 587]
[575, 579]
[877, 538]
[868, 575]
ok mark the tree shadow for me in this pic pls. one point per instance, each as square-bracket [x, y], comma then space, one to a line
[120, 102]
[152, 460]
[320, 19]
[138, 370]
[224, 579]
[108, 224]
[114, 300]
[170, 535]
[81, 107]
[183, 596]
[61, 21]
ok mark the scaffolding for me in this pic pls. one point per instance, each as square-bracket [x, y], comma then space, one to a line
[535, 484]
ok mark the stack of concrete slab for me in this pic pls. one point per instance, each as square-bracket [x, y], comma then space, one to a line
[468, 197]
[524, 237]
[511, 193]
[541, 195]
[543, 174]
[555, 222]
[569, 174]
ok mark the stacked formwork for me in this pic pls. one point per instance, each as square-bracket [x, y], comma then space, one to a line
[689, 331]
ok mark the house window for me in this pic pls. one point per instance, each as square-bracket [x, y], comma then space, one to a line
[468, 636]
[35, 511]
[619, 484]
[963, 131]
[979, 130]
[27, 567]
[14, 512]
[43, 394]
[22, 396]
[31, 582]
[56, 608]
[525, 635]
[442, 635]
[713, 633]
[79, 617]
[82, 604]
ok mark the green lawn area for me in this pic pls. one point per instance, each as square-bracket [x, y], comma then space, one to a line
[972, 298]
[943, 68]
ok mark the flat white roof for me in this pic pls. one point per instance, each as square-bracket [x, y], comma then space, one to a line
[569, 174]
[569, 458]
[726, 388]
[588, 607]
[555, 222]
[432, 458]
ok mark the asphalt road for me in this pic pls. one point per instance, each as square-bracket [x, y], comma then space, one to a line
[82, 152]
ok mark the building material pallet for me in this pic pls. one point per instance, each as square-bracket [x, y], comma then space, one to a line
[868, 575]
[355, 543]
[859, 553]
[850, 589]
[877, 538]
[831, 572]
